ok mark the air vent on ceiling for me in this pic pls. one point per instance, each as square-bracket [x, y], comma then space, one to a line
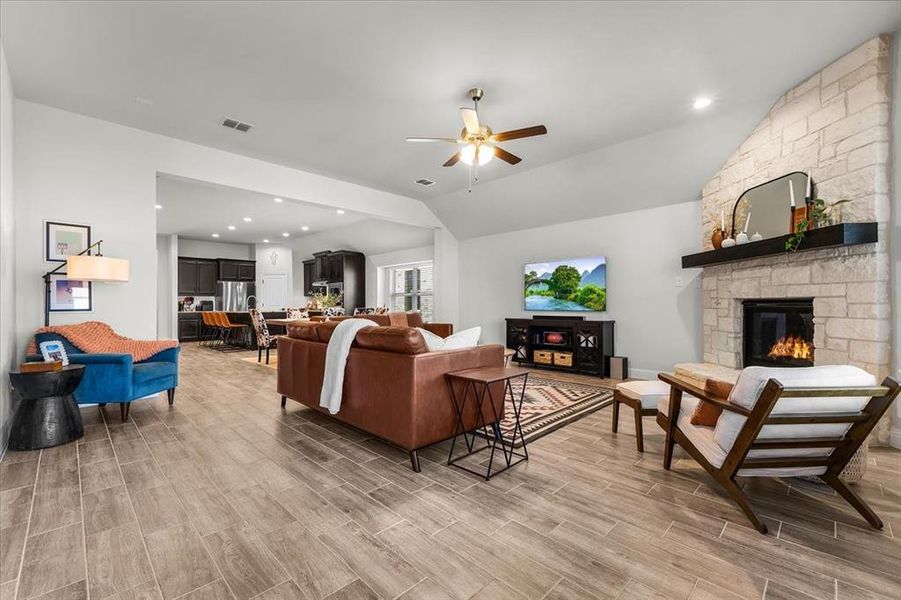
[425, 182]
[236, 124]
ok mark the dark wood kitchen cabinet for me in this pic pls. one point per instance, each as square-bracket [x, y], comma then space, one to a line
[188, 327]
[196, 277]
[342, 269]
[309, 272]
[237, 270]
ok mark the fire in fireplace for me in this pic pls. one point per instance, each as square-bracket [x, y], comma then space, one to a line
[778, 333]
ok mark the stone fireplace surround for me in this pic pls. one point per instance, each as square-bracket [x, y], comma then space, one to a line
[836, 126]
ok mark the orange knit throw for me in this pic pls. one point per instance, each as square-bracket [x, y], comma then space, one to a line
[97, 337]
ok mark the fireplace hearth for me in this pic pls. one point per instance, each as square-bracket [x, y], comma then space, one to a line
[778, 333]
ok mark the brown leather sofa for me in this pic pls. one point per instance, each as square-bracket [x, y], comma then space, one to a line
[394, 388]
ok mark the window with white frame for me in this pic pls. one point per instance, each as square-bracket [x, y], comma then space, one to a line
[411, 287]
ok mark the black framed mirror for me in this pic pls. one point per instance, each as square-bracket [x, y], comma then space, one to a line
[769, 205]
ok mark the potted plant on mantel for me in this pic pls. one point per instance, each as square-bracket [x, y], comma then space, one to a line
[821, 215]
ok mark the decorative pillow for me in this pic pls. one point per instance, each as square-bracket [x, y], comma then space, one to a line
[297, 313]
[468, 338]
[366, 310]
[708, 414]
[333, 311]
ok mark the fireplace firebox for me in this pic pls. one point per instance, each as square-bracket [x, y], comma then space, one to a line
[778, 333]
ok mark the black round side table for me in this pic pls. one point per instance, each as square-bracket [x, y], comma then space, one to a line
[48, 415]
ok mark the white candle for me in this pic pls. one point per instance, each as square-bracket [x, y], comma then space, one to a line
[791, 191]
[722, 220]
[807, 195]
[747, 222]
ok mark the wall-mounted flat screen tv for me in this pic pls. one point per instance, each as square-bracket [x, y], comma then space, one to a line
[577, 284]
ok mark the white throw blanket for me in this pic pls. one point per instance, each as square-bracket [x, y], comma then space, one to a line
[336, 360]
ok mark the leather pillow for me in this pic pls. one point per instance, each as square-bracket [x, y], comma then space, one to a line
[403, 340]
[414, 319]
[397, 319]
[708, 414]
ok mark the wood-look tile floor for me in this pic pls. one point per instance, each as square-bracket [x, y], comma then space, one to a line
[225, 495]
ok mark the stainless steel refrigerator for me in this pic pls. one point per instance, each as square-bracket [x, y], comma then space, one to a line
[236, 296]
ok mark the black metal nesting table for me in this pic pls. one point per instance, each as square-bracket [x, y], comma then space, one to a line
[474, 386]
[48, 415]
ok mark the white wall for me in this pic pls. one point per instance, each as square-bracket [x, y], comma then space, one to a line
[282, 257]
[75, 168]
[448, 277]
[203, 249]
[657, 323]
[8, 355]
[167, 280]
[375, 270]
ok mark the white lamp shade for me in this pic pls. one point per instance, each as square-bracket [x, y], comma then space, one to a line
[96, 268]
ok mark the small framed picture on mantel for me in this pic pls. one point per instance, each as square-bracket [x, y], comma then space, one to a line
[64, 239]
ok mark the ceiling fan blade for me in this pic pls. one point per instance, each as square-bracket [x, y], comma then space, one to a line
[471, 120]
[431, 139]
[452, 160]
[506, 156]
[515, 134]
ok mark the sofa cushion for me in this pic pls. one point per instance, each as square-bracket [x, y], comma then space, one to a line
[307, 330]
[145, 371]
[325, 330]
[752, 380]
[397, 319]
[403, 340]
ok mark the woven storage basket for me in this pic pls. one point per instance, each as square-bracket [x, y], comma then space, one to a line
[854, 470]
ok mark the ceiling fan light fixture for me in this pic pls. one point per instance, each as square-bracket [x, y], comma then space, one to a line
[470, 151]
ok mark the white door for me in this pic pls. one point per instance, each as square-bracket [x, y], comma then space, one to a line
[274, 295]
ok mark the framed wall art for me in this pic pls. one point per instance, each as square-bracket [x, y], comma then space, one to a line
[70, 295]
[64, 239]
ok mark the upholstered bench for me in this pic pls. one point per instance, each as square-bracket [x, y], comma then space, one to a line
[642, 397]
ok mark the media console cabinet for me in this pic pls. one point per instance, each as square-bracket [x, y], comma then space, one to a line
[563, 343]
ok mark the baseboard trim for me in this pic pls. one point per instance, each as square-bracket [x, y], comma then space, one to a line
[643, 374]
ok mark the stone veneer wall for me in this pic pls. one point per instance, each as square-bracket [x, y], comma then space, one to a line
[835, 125]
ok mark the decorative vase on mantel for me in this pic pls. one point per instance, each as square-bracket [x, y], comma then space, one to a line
[717, 238]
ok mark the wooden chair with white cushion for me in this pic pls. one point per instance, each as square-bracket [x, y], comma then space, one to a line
[780, 423]
[642, 397]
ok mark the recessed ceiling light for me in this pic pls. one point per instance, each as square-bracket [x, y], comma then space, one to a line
[265, 241]
[286, 234]
[304, 228]
[247, 219]
[231, 227]
[339, 211]
[215, 235]
[702, 102]
[277, 200]
[159, 206]
[142, 100]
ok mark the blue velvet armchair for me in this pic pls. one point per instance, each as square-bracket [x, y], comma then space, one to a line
[116, 378]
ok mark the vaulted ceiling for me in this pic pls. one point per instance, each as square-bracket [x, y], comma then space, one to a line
[334, 88]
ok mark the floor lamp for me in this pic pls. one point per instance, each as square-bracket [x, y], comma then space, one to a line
[85, 266]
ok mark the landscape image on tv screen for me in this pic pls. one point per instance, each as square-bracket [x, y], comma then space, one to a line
[578, 284]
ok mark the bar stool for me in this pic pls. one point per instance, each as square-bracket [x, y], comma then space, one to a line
[231, 329]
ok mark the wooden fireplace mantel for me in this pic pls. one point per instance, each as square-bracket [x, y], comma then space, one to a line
[843, 234]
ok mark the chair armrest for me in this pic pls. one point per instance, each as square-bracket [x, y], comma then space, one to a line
[701, 394]
[167, 355]
[442, 329]
[101, 358]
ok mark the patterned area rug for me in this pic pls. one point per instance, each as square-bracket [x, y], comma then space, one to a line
[549, 404]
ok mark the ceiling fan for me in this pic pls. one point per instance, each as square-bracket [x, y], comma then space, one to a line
[480, 143]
